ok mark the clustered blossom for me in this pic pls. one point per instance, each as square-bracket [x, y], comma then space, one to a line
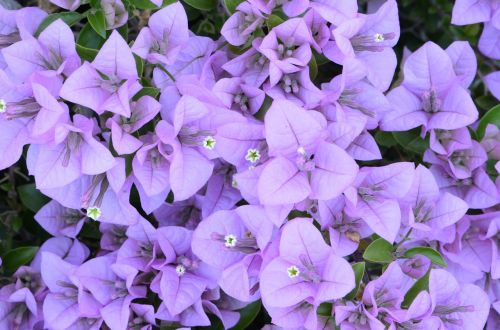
[254, 182]
[467, 12]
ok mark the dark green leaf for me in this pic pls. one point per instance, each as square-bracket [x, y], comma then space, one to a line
[273, 20]
[15, 258]
[430, 253]
[202, 4]
[325, 309]
[411, 140]
[359, 271]
[151, 91]
[123, 30]
[313, 68]
[420, 285]
[206, 28]
[379, 251]
[320, 58]
[231, 5]
[143, 4]
[31, 197]
[298, 214]
[90, 230]
[85, 53]
[192, 13]
[98, 21]
[17, 224]
[139, 63]
[491, 117]
[385, 139]
[263, 109]
[69, 18]
[247, 315]
[486, 102]
[89, 38]
[472, 132]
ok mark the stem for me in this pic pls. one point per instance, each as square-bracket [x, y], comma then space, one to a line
[404, 239]
[162, 68]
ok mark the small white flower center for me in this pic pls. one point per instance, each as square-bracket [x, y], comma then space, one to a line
[293, 271]
[209, 142]
[234, 183]
[94, 213]
[378, 37]
[253, 155]
[301, 151]
[180, 270]
[230, 240]
[3, 106]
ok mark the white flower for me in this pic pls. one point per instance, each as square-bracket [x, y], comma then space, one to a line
[94, 213]
[230, 240]
[209, 142]
[378, 37]
[180, 270]
[253, 155]
[3, 106]
[293, 271]
[301, 151]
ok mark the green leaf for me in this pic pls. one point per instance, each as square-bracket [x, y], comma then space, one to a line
[85, 53]
[411, 140]
[69, 18]
[90, 230]
[17, 224]
[320, 58]
[206, 28]
[486, 102]
[359, 271]
[89, 38]
[143, 4]
[123, 30]
[97, 20]
[247, 315]
[202, 4]
[139, 63]
[151, 91]
[273, 20]
[231, 5]
[385, 139]
[192, 13]
[264, 107]
[325, 309]
[420, 285]
[15, 258]
[313, 68]
[491, 117]
[433, 255]
[379, 251]
[31, 197]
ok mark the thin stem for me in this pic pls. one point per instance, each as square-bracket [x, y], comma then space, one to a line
[162, 68]
[404, 239]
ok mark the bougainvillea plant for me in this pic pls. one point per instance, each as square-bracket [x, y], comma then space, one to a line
[257, 164]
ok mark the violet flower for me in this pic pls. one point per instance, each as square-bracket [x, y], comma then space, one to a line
[374, 197]
[108, 83]
[165, 36]
[54, 50]
[287, 46]
[431, 94]
[305, 269]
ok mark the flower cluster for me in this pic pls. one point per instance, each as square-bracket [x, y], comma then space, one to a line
[220, 173]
